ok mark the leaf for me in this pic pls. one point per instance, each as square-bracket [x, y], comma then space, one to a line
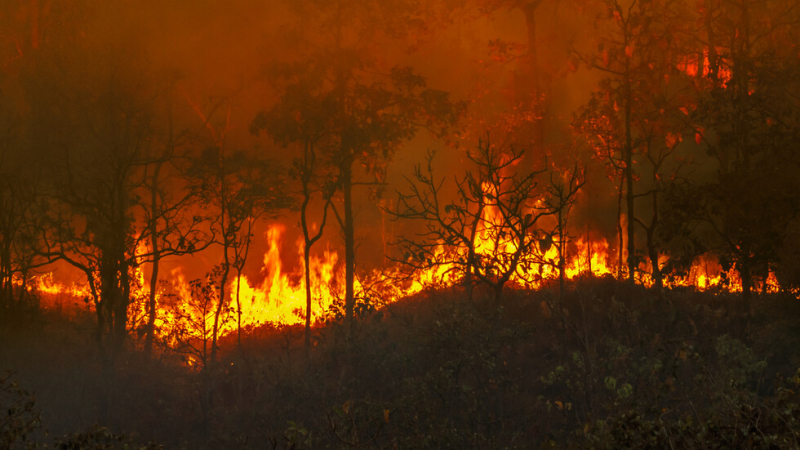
[386, 415]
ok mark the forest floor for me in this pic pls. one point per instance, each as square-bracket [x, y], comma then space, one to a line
[604, 366]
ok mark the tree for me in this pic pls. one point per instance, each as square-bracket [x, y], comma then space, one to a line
[370, 111]
[169, 220]
[635, 57]
[493, 229]
[562, 192]
[238, 189]
[747, 119]
[97, 124]
[300, 118]
[21, 188]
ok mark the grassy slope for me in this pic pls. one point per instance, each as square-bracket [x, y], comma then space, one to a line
[616, 367]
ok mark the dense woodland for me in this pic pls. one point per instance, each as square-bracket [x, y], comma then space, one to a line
[508, 224]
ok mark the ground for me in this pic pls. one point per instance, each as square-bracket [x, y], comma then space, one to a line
[605, 365]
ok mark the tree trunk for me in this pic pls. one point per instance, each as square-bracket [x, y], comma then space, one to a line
[23, 291]
[239, 308]
[226, 244]
[652, 249]
[121, 313]
[498, 292]
[533, 51]
[747, 285]
[620, 232]
[652, 253]
[713, 58]
[220, 304]
[561, 255]
[533, 75]
[469, 279]
[307, 262]
[629, 197]
[152, 307]
[349, 242]
[7, 272]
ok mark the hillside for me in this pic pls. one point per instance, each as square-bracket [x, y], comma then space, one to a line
[616, 367]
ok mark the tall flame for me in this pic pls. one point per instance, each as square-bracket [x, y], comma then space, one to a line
[280, 297]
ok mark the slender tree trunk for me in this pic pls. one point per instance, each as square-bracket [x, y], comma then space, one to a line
[652, 253]
[469, 278]
[226, 244]
[23, 289]
[535, 93]
[241, 259]
[121, 315]
[152, 307]
[619, 229]
[561, 255]
[747, 287]
[713, 58]
[307, 270]
[220, 304]
[349, 242]
[307, 242]
[629, 196]
[530, 8]
[589, 230]
[652, 249]
[498, 292]
[239, 308]
[469, 283]
[6, 272]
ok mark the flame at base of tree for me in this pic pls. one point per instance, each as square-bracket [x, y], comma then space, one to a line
[186, 308]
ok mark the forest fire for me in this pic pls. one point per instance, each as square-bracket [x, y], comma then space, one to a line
[279, 299]
[401, 223]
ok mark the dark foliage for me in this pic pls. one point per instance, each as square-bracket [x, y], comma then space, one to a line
[609, 366]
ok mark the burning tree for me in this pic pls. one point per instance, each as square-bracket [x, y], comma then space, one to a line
[21, 188]
[562, 194]
[369, 110]
[494, 230]
[100, 130]
[632, 110]
[169, 221]
[238, 189]
[747, 120]
[195, 313]
[300, 118]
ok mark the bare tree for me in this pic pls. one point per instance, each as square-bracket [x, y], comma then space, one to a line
[491, 231]
[238, 189]
[562, 192]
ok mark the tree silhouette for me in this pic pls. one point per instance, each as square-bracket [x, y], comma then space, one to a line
[493, 229]
[369, 111]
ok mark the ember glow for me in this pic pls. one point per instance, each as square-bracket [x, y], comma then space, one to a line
[279, 298]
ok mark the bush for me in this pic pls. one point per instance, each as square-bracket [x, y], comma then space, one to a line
[20, 417]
